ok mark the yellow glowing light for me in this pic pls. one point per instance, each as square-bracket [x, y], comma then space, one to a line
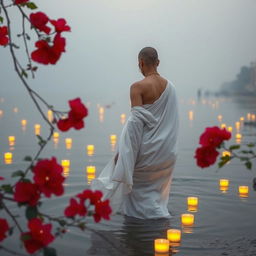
[101, 110]
[187, 219]
[243, 191]
[191, 115]
[192, 201]
[8, 158]
[224, 182]
[90, 169]
[11, 140]
[230, 128]
[219, 118]
[50, 115]
[1, 112]
[90, 150]
[37, 129]
[56, 135]
[162, 245]
[253, 117]
[65, 163]
[223, 126]
[113, 139]
[123, 118]
[68, 142]
[249, 116]
[162, 254]
[241, 118]
[224, 188]
[226, 153]
[174, 235]
[238, 136]
[23, 122]
[238, 125]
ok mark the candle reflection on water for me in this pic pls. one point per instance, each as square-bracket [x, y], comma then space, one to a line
[11, 140]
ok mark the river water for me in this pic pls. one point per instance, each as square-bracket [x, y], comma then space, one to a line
[224, 222]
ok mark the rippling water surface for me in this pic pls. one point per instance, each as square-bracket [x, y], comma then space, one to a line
[224, 223]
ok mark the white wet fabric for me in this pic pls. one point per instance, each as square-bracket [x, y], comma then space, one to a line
[139, 184]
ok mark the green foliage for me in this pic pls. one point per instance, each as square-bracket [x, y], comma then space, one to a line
[24, 73]
[18, 173]
[1, 19]
[41, 141]
[25, 237]
[27, 158]
[224, 160]
[234, 147]
[31, 212]
[31, 5]
[248, 165]
[7, 188]
[49, 251]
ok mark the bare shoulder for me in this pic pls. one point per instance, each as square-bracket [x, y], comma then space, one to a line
[137, 87]
[136, 92]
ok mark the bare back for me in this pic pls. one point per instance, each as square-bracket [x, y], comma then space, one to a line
[148, 90]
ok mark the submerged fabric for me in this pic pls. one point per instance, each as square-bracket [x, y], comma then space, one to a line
[139, 184]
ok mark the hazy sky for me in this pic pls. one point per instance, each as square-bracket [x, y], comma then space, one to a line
[201, 43]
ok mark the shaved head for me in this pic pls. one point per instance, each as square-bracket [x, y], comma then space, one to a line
[149, 56]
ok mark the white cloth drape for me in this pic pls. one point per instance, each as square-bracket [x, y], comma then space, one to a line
[139, 184]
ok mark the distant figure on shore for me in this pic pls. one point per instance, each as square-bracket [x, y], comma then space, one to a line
[199, 93]
[137, 179]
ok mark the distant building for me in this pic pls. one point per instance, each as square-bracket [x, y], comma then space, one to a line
[253, 76]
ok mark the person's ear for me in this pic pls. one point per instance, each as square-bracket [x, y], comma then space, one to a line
[157, 63]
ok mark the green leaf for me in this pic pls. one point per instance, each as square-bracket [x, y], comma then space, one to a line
[27, 158]
[248, 165]
[31, 5]
[31, 212]
[247, 151]
[18, 173]
[62, 222]
[224, 160]
[234, 147]
[251, 145]
[24, 73]
[7, 188]
[1, 19]
[49, 251]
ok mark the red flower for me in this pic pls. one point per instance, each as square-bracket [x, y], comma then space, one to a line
[75, 116]
[46, 54]
[21, 1]
[26, 192]
[1, 178]
[4, 40]
[4, 227]
[206, 156]
[39, 21]
[48, 177]
[39, 235]
[102, 210]
[75, 208]
[60, 25]
[214, 136]
[94, 196]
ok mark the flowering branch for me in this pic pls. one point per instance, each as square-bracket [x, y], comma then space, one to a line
[47, 175]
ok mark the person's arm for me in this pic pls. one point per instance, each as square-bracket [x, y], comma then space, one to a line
[136, 95]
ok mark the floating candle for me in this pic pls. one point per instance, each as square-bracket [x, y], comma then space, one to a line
[23, 122]
[11, 140]
[68, 142]
[187, 219]
[56, 135]
[191, 115]
[174, 235]
[230, 128]
[224, 182]
[226, 153]
[8, 158]
[50, 115]
[123, 118]
[238, 136]
[219, 118]
[90, 150]
[37, 129]
[243, 191]
[222, 126]
[162, 245]
[192, 201]
[238, 125]
[90, 169]
[90, 177]
[65, 163]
